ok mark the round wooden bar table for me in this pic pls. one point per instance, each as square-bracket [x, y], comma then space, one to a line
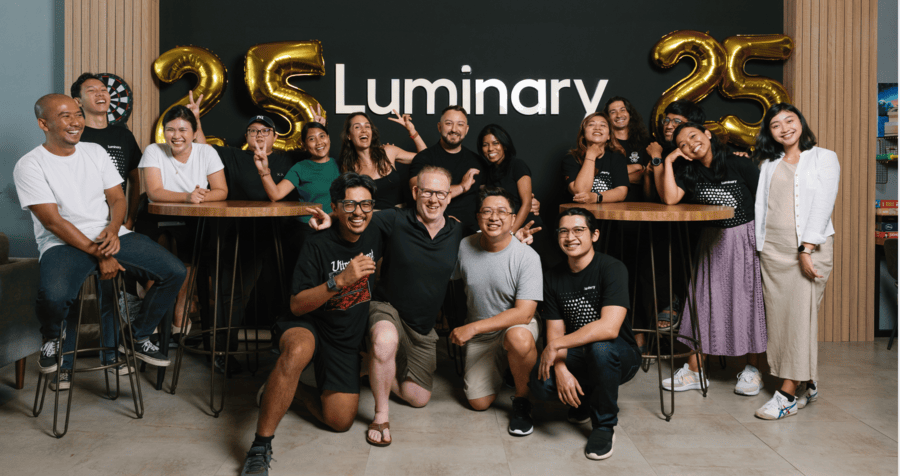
[679, 215]
[220, 210]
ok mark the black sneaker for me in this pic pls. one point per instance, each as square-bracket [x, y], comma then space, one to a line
[47, 362]
[600, 444]
[258, 462]
[65, 381]
[521, 423]
[579, 415]
[148, 352]
[234, 367]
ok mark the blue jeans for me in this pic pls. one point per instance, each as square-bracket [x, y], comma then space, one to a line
[64, 269]
[600, 368]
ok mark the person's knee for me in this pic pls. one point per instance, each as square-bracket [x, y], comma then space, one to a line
[340, 422]
[339, 414]
[419, 399]
[384, 341]
[481, 404]
[518, 341]
[295, 355]
[603, 357]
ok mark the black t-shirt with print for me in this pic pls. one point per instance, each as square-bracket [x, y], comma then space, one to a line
[579, 297]
[244, 182]
[120, 144]
[416, 267]
[638, 156]
[342, 319]
[736, 190]
[610, 172]
[464, 206]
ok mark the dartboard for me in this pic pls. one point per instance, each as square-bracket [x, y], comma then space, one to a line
[120, 96]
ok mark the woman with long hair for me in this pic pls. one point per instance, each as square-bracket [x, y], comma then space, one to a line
[795, 237]
[594, 171]
[363, 153]
[503, 169]
[726, 291]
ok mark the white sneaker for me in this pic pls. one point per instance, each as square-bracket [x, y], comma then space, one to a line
[807, 395]
[749, 381]
[685, 379]
[777, 407]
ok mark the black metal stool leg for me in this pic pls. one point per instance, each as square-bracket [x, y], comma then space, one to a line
[123, 323]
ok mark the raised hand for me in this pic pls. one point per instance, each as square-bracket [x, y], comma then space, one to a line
[194, 106]
[260, 159]
[469, 179]
[594, 151]
[526, 233]
[317, 115]
[535, 206]
[404, 120]
[359, 267]
[654, 149]
[319, 220]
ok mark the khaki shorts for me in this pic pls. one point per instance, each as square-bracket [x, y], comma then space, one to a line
[416, 353]
[486, 361]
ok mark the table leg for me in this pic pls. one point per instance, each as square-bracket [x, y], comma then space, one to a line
[690, 297]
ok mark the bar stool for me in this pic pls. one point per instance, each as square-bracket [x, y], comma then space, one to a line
[122, 323]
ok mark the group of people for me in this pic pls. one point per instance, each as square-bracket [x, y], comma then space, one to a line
[442, 213]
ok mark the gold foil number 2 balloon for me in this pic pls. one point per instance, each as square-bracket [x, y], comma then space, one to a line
[716, 65]
[210, 73]
[268, 68]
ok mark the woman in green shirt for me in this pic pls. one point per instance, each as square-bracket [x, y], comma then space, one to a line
[311, 177]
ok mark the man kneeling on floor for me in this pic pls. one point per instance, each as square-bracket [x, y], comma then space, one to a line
[330, 306]
[503, 284]
[590, 347]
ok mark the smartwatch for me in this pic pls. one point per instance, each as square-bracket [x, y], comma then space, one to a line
[332, 285]
[656, 161]
[802, 249]
[599, 197]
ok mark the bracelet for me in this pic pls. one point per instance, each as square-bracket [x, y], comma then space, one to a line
[268, 172]
[414, 135]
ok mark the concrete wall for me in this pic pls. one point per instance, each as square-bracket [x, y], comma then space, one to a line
[31, 65]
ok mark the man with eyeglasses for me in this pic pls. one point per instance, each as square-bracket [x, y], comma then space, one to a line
[244, 183]
[331, 290]
[503, 284]
[420, 253]
[590, 348]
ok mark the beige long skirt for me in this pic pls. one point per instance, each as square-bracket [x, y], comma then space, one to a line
[792, 306]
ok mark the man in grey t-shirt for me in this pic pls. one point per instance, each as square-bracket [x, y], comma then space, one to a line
[503, 284]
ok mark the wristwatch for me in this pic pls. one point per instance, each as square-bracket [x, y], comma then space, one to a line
[656, 161]
[803, 249]
[599, 197]
[332, 285]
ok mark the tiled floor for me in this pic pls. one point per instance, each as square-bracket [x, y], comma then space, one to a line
[851, 429]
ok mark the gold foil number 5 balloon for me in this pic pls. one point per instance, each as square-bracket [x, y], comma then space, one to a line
[722, 66]
[210, 73]
[268, 68]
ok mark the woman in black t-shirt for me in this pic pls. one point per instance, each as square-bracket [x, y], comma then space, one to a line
[363, 153]
[503, 169]
[727, 287]
[594, 171]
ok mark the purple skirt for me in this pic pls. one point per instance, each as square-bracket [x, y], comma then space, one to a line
[730, 309]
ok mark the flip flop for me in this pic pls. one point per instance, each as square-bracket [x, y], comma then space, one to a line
[379, 427]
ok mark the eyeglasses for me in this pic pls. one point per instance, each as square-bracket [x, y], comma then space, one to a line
[262, 132]
[487, 213]
[578, 231]
[440, 194]
[349, 206]
[677, 121]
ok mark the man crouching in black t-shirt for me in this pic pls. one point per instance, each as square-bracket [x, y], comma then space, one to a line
[590, 347]
[330, 307]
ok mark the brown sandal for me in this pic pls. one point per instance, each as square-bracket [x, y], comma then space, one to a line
[379, 427]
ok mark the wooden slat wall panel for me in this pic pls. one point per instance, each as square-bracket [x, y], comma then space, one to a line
[831, 78]
[119, 37]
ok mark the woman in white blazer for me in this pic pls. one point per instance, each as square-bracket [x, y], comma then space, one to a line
[798, 183]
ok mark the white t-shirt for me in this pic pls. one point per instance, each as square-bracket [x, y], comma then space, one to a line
[178, 177]
[75, 183]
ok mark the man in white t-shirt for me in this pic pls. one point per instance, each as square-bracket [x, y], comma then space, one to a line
[73, 192]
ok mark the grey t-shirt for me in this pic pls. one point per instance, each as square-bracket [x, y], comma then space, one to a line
[494, 281]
